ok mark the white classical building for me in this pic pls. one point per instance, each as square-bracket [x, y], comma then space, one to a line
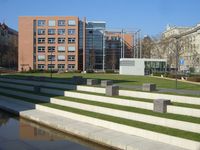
[189, 40]
[141, 66]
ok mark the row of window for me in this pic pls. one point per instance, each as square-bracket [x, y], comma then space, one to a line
[53, 58]
[59, 66]
[52, 23]
[59, 48]
[59, 31]
[61, 40]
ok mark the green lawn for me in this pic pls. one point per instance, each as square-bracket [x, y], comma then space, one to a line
[121, 79]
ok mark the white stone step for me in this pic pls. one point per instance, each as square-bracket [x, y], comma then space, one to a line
[144, 105]
[176, 141]
[94, 133]
[182, 125]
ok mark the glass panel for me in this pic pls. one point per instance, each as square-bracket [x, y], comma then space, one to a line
[52, 23]
[71, 22]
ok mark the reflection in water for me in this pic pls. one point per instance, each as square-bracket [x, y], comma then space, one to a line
[21, 134]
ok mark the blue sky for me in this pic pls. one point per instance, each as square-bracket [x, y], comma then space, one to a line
[151, 16]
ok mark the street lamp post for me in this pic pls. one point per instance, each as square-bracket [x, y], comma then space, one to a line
[51, 65]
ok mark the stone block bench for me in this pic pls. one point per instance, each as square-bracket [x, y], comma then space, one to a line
[149, 87]
[105, 83]
[160, 105]
[112, 90]
[92, 81]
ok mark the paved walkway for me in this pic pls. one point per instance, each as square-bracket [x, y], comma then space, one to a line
[91, 132]
[163, 90]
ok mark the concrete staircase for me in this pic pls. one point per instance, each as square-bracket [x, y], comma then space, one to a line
[126, 115]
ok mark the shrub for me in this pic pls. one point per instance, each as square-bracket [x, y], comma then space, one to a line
[74, 71]
[109, 71]
[194, 78]
[89, 71]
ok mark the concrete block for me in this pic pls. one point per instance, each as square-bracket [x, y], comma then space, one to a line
[105, 83]
[92, 81]
[149, 87]
[160, 105]
[112, 90]
[77, 80]
[37, 89]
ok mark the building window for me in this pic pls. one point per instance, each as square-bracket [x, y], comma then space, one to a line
[51, 31]
[61, 57]
[41, 22]
[51, 66]
[71, 48]
[61, 40]
[41, 57]
[71, 40]
[61, 22]
[71, 22]
[41, 66]
[52, 23]
[41, 48]
[51, 49]
[51, 40]
[41, 31]
[51, 58]
[71, 67]
[41, 40]
[71, 58]
[71, 31]
[61, 49]
[61, 31]
[61, 66]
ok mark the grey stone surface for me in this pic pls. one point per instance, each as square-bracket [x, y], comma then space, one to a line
[149, 87]
[112, 90]
[160, 105]
[37, 89]
[77, 80]
[92, 81]
[105, 83]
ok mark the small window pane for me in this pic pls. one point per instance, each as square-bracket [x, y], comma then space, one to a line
[51, 31]
[71, 58]
[41, 31]
[41, 57]
[71, 31]
[71, 40]
[41, 22]
[51, 58]
[41, 48]
[61, 31]
[51, 48]
[61, 57]
[61, 49]
[71, 22]
[61, 22]
[61, 40]
[52, 23]
[71, 48]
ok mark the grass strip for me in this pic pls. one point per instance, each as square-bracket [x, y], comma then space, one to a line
[194, 106]
[121, 107]
[131, 123]
[133, 109]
